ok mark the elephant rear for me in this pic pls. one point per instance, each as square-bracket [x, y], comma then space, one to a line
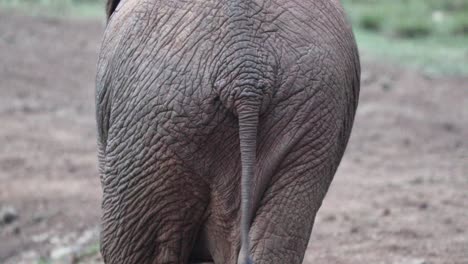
[202, 103]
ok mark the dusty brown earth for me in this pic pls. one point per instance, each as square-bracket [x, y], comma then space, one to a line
[400, 195]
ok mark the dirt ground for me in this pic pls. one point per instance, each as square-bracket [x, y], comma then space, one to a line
[400, 195]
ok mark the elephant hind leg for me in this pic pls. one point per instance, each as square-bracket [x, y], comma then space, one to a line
[283, 223]
[151, 213]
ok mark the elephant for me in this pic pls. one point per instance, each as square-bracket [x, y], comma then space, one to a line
[220, 126]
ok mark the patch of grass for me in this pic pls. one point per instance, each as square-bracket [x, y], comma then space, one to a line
[427, 34]
[44, 261]
[371, 22]
[91, 250]
[460, 25]
[432, 55]
[412, 28]
[58, 8]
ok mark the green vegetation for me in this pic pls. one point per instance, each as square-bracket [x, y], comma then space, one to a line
[430, 35]
[44, 261]
[410, 18]
[90, 251]
[59, 8]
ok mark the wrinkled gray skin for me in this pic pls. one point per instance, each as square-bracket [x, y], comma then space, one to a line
[221, 124]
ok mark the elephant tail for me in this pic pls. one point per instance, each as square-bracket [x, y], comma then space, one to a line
[247, 98]
[248, 112]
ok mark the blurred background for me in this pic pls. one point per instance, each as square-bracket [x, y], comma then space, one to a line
[400, 195]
